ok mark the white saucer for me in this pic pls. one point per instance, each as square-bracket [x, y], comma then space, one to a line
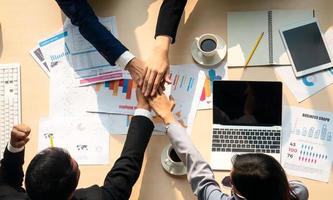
[177, 169]
[209, 61]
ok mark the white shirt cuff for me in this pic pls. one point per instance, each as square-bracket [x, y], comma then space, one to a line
[14, 149]
[143, 112]
[124, 59]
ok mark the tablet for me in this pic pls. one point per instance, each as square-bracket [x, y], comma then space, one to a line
[306, 47]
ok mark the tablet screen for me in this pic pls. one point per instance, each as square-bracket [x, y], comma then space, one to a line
[306, 46]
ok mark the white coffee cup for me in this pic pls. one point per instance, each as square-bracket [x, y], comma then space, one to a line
[207, 44]
[171, 162]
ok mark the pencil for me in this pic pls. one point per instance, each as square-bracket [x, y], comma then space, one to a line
[51, 140]
[254, 49]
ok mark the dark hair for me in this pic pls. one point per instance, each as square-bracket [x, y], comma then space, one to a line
[51, 175]
[259, 177]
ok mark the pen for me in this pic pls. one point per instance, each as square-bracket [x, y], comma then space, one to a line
[254, 49]
[51, 140]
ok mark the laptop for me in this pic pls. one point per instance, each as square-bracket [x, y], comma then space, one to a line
[247, 117]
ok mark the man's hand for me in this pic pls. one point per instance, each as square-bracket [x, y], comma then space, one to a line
[158, 67]
[142, 102]
[137, 68]
[163, 107]
[19, 135]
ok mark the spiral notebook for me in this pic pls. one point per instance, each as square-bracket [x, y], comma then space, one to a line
[245, 27]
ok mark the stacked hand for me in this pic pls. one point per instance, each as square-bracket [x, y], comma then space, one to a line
[142, 102]
[163, 107]
[158, 67]
[160, 103]
[19, 135]
[137, 68]
[151, 75]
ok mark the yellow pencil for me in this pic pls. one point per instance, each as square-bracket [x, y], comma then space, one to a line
[51, 140]
[254, 49]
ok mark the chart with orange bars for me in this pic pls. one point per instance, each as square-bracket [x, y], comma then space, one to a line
[186, 87]
[218, 73]
[116, 97]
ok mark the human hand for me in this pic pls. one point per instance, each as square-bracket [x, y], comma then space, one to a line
[163, 107]
[142, 101]
[158, 67]
[137, 68]
[19, 135]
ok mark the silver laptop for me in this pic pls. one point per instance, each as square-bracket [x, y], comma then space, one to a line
[247, 118]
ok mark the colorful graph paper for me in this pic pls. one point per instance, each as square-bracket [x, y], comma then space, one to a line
[212, 75]
[307, 146]
[124, 86]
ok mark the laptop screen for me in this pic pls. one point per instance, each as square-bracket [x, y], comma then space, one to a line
[248, 103]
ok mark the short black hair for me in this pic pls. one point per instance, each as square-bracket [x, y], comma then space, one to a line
[260, 177]
[51, 175]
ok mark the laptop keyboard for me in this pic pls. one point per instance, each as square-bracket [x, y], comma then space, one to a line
[246, 141]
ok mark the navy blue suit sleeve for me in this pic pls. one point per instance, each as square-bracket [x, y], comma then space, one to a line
[169, 17]
[126, 170]
[11, 172]
[82, 15]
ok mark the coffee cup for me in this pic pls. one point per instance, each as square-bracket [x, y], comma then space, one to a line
[207, 44]
[171, 162]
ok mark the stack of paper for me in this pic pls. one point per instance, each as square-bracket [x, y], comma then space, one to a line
[87, 94]
[86, 62]
[71, 61]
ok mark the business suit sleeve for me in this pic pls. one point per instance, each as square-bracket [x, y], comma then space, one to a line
[169, 17]
[11, 172]
[126, 170]
[199, 173]
[82, 15]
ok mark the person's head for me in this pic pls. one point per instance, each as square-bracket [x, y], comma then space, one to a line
[52, 174]
[259, 176]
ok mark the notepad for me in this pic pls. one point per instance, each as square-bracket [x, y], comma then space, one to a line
[244, 28]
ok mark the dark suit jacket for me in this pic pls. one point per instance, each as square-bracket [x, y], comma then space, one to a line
[118, 182]
[82, 15]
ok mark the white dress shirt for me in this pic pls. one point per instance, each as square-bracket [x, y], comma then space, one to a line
[124, 59]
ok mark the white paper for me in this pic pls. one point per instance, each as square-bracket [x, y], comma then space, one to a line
[329, 39]
[85, 138]
[305, 87]
[120, 124]
[307, 143]
[78, 44]
[117, 97]
[243, 30]
[67, 99]
[86, 60]
[69, 46]
[55, 49]
[39, 57]
[219, 73]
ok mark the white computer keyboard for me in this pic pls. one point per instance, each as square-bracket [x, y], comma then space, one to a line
[10, 101]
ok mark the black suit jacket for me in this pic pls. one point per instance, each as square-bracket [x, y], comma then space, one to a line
[82, 15]
[118, 182]
[169, 17]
